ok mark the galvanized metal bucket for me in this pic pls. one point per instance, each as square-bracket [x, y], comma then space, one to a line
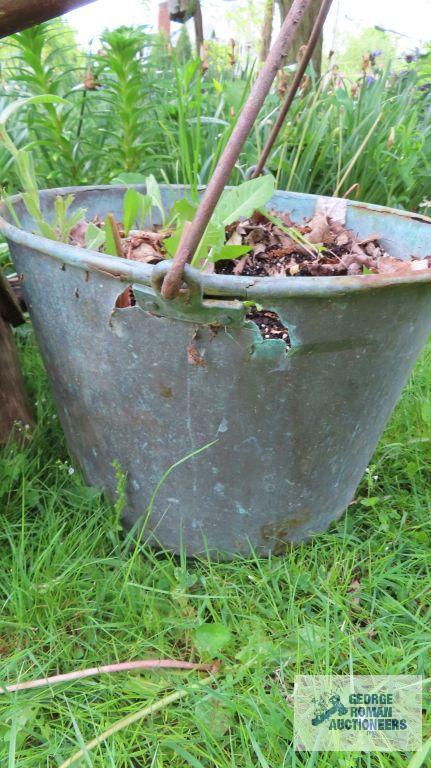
[265, 445]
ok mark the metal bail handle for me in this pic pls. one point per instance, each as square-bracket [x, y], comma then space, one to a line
[189, 305]
[220, 178]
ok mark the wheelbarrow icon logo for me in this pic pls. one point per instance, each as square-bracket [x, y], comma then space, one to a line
[324, 712]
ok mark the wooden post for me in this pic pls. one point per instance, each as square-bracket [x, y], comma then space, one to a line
[15, 413]
[164, 24]
[267, 30]
[16, 15]
[199, 28]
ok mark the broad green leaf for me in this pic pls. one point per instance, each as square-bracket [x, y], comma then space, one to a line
[94, 237]
[171, 243]
[244, 200]
[372, 501]
[211, 638]
[110, 247]
[258, 646]
[146, 203]
[46, 230]
[46, 98]
[213, 716]
[213, 238]
[132, 204]
[153, 190]
[229, 252]
[185, 209]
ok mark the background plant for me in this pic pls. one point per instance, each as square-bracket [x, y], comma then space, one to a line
[139, 106]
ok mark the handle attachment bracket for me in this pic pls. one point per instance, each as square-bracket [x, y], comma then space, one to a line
[189, 305]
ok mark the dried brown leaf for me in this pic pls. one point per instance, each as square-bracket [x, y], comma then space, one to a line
[235, 238]
[320, 231]
[240, 265]
[194, 357]
[77, 233]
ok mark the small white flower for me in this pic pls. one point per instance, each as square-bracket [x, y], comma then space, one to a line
[71, 470]
[375, 477]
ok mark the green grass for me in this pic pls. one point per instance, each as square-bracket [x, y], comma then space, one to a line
[73, 595]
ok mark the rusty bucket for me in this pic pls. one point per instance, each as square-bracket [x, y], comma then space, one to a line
[228, 441]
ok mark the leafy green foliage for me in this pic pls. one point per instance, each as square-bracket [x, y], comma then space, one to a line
[46, 61]
[146, 113]
[124, 107]
[110, 244]
[211, 638]
[235, 203]
[65, 222]
[134, 203]
[94, 237]
[24, 167]
[243, 200]
[137, 206]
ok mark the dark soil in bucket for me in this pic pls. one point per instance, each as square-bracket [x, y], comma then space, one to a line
[279, 247]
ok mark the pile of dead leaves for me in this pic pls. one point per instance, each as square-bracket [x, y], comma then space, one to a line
[144, 245]
[140, 245]
[320, 247]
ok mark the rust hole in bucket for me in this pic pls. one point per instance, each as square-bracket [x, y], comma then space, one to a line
[125, 299]
[270, 325]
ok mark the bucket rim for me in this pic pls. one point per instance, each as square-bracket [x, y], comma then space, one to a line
[235, 286]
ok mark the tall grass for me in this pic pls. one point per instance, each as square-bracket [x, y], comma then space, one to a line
[379, 139]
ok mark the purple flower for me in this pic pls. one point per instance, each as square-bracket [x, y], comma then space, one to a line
[370, 79]
[413, 56]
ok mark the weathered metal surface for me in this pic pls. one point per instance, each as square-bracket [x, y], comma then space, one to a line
[294, 430]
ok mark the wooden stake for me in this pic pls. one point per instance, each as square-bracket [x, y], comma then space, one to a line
[15, 414]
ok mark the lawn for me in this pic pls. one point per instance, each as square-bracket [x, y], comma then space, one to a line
[76, 592]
